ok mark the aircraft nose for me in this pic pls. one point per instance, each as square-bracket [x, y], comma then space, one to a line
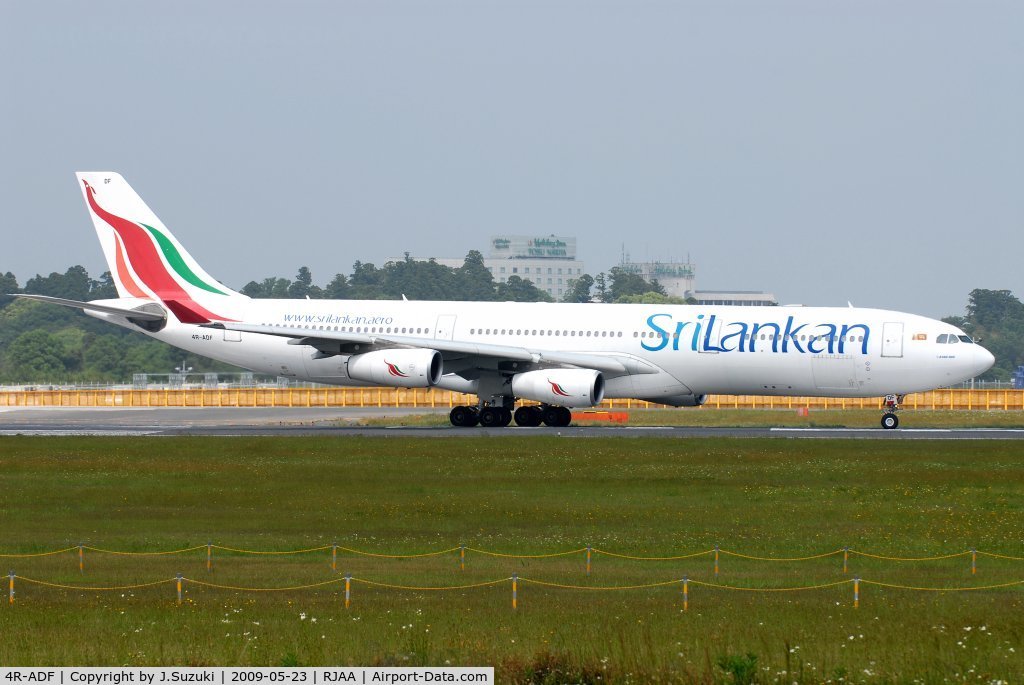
[983, 360]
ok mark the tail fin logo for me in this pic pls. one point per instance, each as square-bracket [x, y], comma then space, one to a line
[557, 389]
[138, 242]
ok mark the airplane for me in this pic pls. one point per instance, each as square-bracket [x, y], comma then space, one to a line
[560, 356]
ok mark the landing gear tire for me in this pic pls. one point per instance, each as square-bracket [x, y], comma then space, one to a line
[890, 421]
[557, 417]
[529, 417]
[506, 417]
[491, 417]
[464, 417]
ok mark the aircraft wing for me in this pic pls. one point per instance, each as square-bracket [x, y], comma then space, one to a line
[330, 343]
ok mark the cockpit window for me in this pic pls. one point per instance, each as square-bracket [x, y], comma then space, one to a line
[965, 338]
[953, 339]
[942, 339]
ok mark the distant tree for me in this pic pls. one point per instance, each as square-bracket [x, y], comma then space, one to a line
[253, 289]
[8, 286]
[71, 343]
[34, 356]
[338, 288]
[601, 287]
[104, 358]
[995, 317]
[74, 284]
[302, 287]
[624, 283]
[579, 289]
[366, 282]
[150, 356]
[268, 288]
[419, 280]
[517, 289]
[473, 280]
[994, 308]
[651, 298]
[103, 288]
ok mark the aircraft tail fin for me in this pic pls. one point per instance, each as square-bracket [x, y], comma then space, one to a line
[146, 261]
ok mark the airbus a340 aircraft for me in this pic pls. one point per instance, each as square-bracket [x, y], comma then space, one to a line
[560, 355]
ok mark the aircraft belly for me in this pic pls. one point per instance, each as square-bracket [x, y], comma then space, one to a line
[260, 354]
[835, 373]
[762, 373]
[326, 370]
[644, 385]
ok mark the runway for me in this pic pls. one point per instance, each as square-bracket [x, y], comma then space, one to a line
[326, 422]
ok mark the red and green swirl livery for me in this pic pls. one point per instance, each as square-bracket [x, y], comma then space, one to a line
[393, 370]
[140, 245]
[557, 389]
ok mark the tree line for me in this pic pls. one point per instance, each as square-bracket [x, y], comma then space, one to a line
[42, 343]
[428, 280]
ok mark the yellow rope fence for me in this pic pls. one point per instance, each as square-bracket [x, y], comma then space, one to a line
[508, 555]
[348, 581]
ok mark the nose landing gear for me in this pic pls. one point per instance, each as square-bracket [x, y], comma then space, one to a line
[890, 406]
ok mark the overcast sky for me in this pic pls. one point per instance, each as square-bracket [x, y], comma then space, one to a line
[823, 151]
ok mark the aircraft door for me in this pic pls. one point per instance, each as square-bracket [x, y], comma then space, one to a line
[445, 327]
[892, 339]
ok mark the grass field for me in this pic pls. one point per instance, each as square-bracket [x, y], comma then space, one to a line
[759, 418]
[524, 495]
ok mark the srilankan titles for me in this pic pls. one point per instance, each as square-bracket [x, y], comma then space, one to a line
[711, 334]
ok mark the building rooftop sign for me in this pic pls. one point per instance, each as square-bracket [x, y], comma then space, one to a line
[532, 247]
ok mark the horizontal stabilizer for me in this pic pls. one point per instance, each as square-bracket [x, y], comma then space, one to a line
[126, 312]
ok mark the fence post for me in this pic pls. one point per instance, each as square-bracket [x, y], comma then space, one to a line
[716, 560]
[462, 557]
[334, 557]
[856, 592]
[81, 559]
[348, 589]
[686, 593]
[179, 588]
[846, 559]
[209, 556]
[974, 561]
[10, 595]
[588, 560]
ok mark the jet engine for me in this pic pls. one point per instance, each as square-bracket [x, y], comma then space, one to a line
[560, 387]
[398, 368]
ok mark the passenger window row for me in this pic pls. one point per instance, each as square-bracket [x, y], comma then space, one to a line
[550, 332]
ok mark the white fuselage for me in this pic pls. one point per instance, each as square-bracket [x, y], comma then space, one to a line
[814, 351]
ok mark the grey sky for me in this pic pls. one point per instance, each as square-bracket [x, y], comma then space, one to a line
[826, 151]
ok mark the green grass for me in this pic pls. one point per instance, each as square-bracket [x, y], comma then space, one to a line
[533, 495]
[765, 418]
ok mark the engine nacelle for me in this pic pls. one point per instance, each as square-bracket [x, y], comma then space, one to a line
[397, 368]
[560, 387]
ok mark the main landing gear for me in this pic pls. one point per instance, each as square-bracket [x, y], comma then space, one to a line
[556, 417]
[890, 406]
[488, 417]
[499, 417]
